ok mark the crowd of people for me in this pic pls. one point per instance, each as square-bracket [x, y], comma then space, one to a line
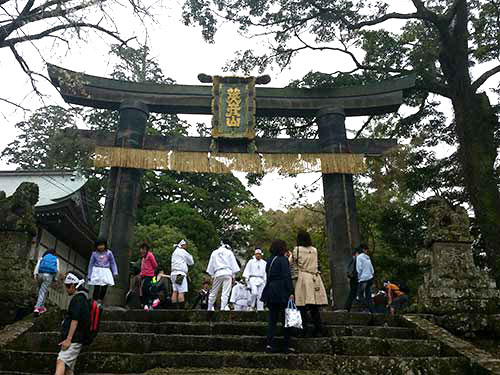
[287, 275]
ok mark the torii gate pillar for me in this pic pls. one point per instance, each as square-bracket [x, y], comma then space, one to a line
[340, 205]
[122, 197]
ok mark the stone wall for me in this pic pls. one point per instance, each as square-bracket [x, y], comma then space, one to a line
[18, 288]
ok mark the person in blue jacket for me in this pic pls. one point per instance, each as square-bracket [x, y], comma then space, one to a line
[45, 273]
[277, 292]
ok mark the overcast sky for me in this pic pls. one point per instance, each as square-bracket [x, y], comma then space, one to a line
[182, 54]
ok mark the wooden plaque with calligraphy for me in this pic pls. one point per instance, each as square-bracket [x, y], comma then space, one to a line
[233, 107]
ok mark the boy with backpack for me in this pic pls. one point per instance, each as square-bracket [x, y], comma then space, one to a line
[45, 272]
[77, 328]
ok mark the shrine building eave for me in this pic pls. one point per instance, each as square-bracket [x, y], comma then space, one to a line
[63, 220]
[98, 92]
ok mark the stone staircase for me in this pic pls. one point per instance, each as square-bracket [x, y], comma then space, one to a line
[197, 342]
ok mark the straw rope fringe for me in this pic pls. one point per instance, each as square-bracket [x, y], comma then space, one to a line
[203, 162]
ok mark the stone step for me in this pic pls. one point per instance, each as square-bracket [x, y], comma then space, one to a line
[198, 371]
[125, 363]
[248, 329]
[328, 317]
[152, 342]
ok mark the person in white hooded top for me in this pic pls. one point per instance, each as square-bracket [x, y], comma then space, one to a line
[181, 260]
[222, 266]
[255, 276]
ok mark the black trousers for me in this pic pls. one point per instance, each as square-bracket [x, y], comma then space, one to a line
[315, 317]
[277, 314]
[99, 292]
[146, 295]
[353, 284]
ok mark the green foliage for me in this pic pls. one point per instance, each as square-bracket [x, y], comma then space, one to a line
[394, 232]
[41, 144]
[162, 239]
[187, 220]
[270, 225]
[218, 198]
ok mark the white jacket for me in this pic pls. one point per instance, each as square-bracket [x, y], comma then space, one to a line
[222, 263]
[364, 267]
[255, 269]
[181, 259]
[240, 295]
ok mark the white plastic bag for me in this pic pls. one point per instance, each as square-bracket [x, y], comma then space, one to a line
[292, 316]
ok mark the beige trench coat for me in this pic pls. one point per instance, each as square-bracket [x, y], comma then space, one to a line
[309, 288]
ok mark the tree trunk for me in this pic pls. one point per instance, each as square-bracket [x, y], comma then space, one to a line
[475, 124]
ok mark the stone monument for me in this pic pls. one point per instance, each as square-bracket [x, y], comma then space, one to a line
[17, 228]
[454, 289]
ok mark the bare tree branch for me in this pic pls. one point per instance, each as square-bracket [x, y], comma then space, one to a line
[367, 122]
[58, 12]
[345, 50]
[15, 104]
[24, 66]
[5, 31]
[484, 77]
[75, 26]
[415, 116]
[50, 3]
[382, 19]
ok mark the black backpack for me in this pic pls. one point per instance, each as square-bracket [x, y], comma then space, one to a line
[92, 327]
[352, 272]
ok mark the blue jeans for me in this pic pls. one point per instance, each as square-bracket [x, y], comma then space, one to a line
[46, 279]
[365, 294]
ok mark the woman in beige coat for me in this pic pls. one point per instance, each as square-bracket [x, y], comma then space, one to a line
[310, 292]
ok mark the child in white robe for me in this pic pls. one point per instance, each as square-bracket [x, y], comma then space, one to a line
[240, 296]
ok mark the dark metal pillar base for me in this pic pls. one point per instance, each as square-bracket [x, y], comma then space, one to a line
[340, 206]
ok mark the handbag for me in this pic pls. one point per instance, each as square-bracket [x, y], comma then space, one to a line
[179, 278]
[293, 319]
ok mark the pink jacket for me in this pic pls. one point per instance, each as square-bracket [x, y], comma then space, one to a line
[148, 265]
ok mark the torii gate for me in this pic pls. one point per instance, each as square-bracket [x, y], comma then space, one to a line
[136, 100]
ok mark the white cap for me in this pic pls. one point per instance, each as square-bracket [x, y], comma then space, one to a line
[258, 251]
[72, 279]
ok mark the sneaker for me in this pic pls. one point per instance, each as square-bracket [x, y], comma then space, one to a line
[146, 308]
[36, 311]
[41, 310]
[156, 303]
[290, 351]
[269, 349]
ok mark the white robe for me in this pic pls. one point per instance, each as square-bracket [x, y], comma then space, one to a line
[255, 275]
[240, 297]
[181, 259]
[222, 262]
[255, 272]
[222, 266]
